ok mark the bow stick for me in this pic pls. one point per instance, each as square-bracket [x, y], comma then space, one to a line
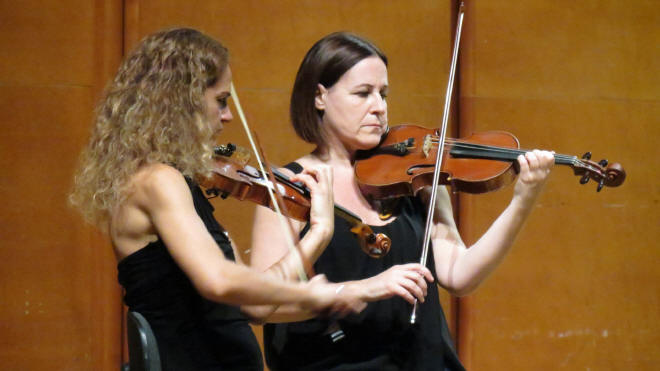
[283, 222]
[438, 159]
[334, 330]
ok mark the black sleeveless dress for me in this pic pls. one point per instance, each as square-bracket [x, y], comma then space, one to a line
[192, 333]
[381, 337]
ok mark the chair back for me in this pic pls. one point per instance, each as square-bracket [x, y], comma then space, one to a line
[142, 347]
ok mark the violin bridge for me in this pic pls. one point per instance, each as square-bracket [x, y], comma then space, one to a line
[428, 143]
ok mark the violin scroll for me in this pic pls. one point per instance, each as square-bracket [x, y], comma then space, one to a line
[372, 244]
[380, 246]
[611, 175]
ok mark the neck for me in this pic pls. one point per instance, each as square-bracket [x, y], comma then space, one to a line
[335, 154]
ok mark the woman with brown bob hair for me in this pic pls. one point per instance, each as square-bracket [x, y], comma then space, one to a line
[339, 104]
[329, 61]
[151, 144]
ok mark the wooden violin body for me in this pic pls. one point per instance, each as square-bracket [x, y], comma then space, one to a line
[235, 179]
[245, 183]
[404, 162]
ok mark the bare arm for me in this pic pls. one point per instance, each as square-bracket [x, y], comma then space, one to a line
[163, 195]
[269, 253]
[460, 270]
[271, 239]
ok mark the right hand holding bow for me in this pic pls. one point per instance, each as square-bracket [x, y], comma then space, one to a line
[407, 281]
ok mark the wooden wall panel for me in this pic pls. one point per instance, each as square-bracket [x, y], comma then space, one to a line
[580, 288]
[59, 292]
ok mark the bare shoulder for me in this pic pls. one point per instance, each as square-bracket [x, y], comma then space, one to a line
[157, 183]
[132, 226]
[155, 176]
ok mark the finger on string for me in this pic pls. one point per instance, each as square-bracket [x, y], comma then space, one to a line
[524, 165]
[550, 159]
[309, 181]
[309, 173]
[533, 159]
[313, 171]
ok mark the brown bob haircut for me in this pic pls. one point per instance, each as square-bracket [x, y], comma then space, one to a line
[324, 64]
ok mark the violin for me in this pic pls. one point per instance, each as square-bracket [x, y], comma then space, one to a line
[404, 163]
[233, 177]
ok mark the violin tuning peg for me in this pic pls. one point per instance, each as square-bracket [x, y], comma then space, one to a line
[586, 156]
[600, 185]
[603, 162]
[214, 192]
[584, 179]
[225, 150]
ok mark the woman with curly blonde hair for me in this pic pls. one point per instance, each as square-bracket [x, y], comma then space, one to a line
[138, 180]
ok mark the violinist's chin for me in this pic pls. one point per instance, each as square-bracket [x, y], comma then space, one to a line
[370, 138]
[374, 128]
[217, 128]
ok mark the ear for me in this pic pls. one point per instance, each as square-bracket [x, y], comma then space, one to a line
[319, 99]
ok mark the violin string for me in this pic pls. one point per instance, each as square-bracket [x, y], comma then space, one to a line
[563, 159]
[597, 172]
[504, 150]
[339, 210]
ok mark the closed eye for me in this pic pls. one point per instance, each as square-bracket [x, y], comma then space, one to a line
[222, 102]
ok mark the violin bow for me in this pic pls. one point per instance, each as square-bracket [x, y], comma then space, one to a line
[276, 205]
[334, 331]
[291, 232]
[438, 159]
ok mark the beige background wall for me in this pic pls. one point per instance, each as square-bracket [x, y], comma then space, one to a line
[59, 301]
[581, 288]
[578, 291]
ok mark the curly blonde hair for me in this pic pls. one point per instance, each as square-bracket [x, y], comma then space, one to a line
[152, 112]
